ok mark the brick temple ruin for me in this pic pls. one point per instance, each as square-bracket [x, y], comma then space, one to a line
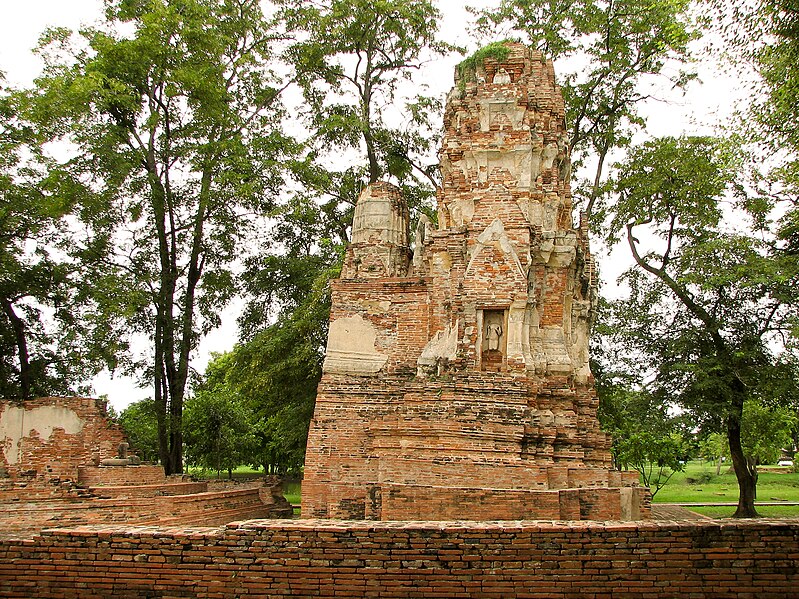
[456, 382]
[63, 462]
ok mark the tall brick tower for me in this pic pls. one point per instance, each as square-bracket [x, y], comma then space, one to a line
[456, 382]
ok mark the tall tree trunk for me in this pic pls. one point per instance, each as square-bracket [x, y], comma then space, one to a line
[21, 340]
[744, 472]
[161, 401]
[176, 433]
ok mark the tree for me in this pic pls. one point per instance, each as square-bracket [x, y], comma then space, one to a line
[707, 303]
[174, 116]
[355, 58]
[53, 336]
[219, 430]
[140, 423]
[715, 447]
[646, 436]
[766, 431]
[656, 458]
[618, 47]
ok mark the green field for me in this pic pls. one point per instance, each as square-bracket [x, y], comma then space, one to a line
[291, 491]
[698, 483]
[238, 473]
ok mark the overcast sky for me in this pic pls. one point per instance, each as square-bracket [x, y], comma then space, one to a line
[701, 110]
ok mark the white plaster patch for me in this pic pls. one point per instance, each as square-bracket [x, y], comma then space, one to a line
[17, 423]
[351, 347]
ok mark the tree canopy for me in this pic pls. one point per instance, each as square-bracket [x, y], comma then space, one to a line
[707, 308]
[176, 127]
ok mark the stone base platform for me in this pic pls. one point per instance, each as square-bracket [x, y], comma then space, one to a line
[479, 446]
[391, 501]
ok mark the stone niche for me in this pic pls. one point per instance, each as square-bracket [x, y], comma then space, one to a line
[456, 382]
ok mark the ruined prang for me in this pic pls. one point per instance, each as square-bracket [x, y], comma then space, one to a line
[456, 381]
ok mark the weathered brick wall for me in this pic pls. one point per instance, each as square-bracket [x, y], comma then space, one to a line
[94, 476]
[156, 490]
[270, 559]
[488, 430]
[200, 509]
[417, 502]
[51, 437]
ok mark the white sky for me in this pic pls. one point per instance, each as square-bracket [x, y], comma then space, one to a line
[701, 110]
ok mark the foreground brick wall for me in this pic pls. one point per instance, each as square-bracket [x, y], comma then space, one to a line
[309, 558]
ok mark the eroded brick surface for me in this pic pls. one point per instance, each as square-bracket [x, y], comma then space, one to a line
[456, 380]
[52, 437]
[53, 450]
[267, 559]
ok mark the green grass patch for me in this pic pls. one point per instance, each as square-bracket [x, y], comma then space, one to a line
[467, 69]
[292, 490]
[699, 483]
[206, 474]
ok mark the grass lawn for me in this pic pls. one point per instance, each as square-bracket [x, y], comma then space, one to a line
[240, 472]
[699, 483]
[291, 491]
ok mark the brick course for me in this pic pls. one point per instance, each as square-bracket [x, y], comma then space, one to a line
[260, 559]
[133, 507]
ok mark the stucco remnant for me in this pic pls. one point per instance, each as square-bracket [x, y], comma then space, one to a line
[16, 423]
[351, 347]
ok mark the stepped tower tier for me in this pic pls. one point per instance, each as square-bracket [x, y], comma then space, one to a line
[456, 381]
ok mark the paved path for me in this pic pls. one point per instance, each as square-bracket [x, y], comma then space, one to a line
[672, 511]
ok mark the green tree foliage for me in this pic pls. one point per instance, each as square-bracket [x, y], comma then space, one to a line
[356, 60]
[715, 447]
[765, 35]
[706, 308]
[624, 43]
[52, 334]
[766, 431]
[174, 119]
[140, 423]
[278, 369]
[646, 437]
[656, 458]
[219, 430]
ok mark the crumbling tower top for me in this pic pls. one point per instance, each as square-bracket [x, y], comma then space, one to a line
[505, 126]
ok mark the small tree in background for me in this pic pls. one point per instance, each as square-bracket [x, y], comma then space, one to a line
[219, 431]
[766, 431]
[655, 457]
[140, 423]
